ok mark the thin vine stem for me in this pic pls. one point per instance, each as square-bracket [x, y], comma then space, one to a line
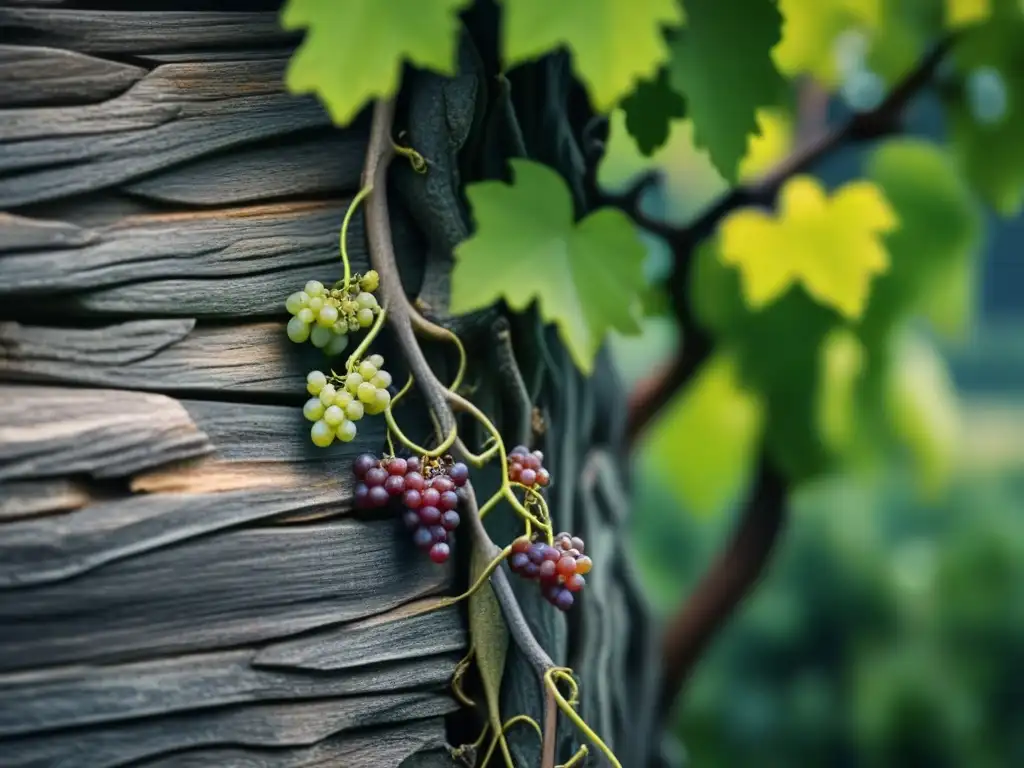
[360, 196]
[357, 354]
[499, 738]
[573, 715]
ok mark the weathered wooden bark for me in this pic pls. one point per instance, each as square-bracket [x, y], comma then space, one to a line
[182, 581]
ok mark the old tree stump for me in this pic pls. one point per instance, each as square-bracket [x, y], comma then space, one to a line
[182, 579]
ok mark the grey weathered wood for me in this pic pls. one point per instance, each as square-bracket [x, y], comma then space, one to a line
[49, 432]
[177, 113]
[231, 588]
[164, 355]
[104, 31]
[31, 76]
[66, 697]
[395, 635]
[19, 233]
[289, 724]
[372, 749]
[328, 162]
[56, 548]
[31, 498]
[234, 262]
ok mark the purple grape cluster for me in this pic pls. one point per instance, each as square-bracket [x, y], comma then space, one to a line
[527, 467]
[428, 490]
[559, 567]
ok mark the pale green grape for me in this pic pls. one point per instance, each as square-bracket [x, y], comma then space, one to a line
[352, 382]
[327, 394]
[340, 327]
[315, 304]
[377, 360]
[298, 331]
[367, 370]
[321, 434]
[314, 288]
[333, 415]
[382, 398]
[367, 392]
[313, 409]
[320, 336]
[346, 431]
[315, 381]
[370, 281]
[328, 316]
[296, 302]
[366, 300]
[373, 409]
[365, 318]
[382, 380]
[306, 315]
[343, 398]
[353, 324]
[336, 345]
[354, 410]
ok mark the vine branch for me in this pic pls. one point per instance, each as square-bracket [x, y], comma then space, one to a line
[442, 402]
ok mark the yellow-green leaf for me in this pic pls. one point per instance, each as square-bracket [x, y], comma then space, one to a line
[354, 49]
[962, 13]
[830, 245]
[490, 637]
[842, 364]
[722, 64]
[613, 43]
[586, 277]
[810, 31]
[921, 406]
[707, 437]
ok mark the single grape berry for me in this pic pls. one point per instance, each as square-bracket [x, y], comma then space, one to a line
[449, 500]
[397, 466]
[421, 538]
[360, 496]
[377, 496]
[450, 520]
[376, 476]
[439, 552]
[394, 485]
[363, 463]
[439, 533]
[411, 519]
[563, 600]
[429, 515]
[412, 498]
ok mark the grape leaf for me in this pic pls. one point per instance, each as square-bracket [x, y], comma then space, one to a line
[842, 363]
[722, 65]
[963, 13]
[830, 245]
[707, 438]
[922, 409]
[934, 250]
[811, 30]
[354, 50]
[613, 43]
[649, 112]
[992, 153]
[587, 276]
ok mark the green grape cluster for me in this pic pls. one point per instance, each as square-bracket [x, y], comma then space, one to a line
[325, 316]
[338, 402]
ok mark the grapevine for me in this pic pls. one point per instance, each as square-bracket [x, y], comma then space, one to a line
[427, 487]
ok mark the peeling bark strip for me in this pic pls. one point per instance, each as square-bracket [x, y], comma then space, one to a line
[182, 582]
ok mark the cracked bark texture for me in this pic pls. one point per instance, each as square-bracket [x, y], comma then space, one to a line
[182, 579]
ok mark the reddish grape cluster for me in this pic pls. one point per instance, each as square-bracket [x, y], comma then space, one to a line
[428, 491]
[559, 567]
[527, 468]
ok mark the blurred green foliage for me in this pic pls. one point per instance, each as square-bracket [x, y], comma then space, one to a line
[886, 633]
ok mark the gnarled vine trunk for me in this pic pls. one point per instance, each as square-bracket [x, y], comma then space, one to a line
[182, 579]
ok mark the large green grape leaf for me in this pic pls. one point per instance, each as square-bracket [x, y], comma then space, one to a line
[707, 438]
[650, 110]
[933, 251]
[832, 246]
[586, 277]
[354, 50]
[722, 65]
[921, 406]
[613, 43]
[992, 153]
